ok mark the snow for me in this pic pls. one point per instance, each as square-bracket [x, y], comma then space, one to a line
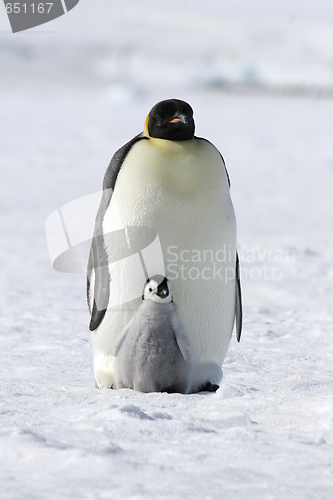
[68, 100]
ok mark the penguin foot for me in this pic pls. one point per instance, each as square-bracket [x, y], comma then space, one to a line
[208, 387]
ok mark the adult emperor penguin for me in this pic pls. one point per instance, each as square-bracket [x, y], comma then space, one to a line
[169, 181]
[153, 352]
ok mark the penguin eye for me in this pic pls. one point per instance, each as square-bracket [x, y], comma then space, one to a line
[150, 289]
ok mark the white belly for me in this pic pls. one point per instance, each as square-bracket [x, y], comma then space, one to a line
[181, 190]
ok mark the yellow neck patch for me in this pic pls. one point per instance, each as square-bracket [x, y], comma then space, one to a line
[145, 128]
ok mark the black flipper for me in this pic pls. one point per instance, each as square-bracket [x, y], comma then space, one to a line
[239, 312]
[98, 259]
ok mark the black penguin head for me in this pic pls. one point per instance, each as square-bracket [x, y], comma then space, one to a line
[172, 120]
[157, 289]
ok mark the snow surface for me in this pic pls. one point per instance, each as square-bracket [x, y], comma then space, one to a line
[270, 425]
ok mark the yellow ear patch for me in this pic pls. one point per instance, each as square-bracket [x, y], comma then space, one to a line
[145, 128]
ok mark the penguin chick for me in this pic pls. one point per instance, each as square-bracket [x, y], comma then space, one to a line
[153, 353]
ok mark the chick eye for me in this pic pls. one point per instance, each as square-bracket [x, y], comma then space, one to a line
[150, 289]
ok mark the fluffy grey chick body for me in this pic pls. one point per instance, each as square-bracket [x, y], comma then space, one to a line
[153, 353]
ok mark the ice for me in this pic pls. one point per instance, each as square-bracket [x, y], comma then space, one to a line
[69, 99]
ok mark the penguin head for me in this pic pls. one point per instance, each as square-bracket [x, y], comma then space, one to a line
[172, 120]
[157, 289]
